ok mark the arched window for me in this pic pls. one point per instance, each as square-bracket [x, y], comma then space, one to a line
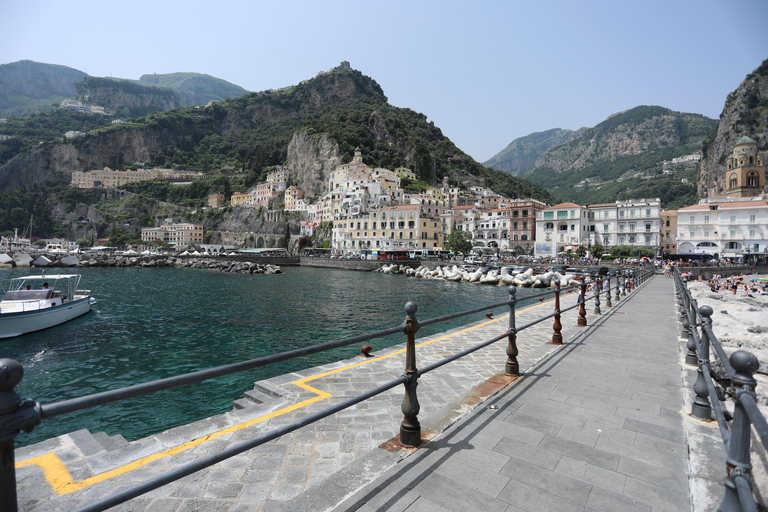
[524, 237]
[752, 180]
[733, 183]
[750, 160]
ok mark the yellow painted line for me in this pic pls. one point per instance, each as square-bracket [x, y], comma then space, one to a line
[61, 481]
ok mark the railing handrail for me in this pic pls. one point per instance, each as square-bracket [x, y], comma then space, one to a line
[739, 368]
[30, 413]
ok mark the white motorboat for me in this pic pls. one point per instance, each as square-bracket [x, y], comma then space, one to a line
[33, 303]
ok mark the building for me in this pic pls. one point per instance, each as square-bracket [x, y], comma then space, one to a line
[71, 134]
[402, 172]
[669, 231]
[216, 200]
[177, 235]
[387, 229]
[745, 176]
[558, 229]
[109, 178]
[241, 198]
[725, 228]
[294, 199]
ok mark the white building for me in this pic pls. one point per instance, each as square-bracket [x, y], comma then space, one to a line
[728, 228]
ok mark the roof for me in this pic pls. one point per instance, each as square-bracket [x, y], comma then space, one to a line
[564, 205]
[464, 207]
[761, 203]
[745, 140]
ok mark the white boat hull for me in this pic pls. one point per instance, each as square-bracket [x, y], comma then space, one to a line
[23, 322]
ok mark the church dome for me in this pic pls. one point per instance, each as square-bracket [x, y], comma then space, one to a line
[745, 140]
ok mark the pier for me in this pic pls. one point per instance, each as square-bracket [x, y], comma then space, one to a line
[599, 422]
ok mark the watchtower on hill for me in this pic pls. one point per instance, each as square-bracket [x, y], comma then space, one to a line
[745, 176]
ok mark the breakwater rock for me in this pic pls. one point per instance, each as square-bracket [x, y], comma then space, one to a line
[153, 261]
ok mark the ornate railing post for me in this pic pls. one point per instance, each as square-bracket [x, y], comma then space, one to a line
[737, 463]
[598, 286]
[691, 357]
[512, 367]
[701, 407]
[618, 287]
[410, 428]
[624, 286]
[15, 415]
[557, 337]
[608, 292]
[582, 321]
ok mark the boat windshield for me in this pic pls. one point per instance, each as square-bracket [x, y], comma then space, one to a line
[29, 294]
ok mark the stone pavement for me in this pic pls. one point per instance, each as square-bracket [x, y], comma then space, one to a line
[595, 422]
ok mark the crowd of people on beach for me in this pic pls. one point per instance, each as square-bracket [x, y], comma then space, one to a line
[733, 284]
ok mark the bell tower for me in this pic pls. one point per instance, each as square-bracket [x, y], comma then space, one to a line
[745, 176]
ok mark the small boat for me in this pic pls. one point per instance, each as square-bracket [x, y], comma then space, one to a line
[32, 304]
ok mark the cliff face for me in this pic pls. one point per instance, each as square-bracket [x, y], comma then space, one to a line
[56, 162]
[195, 88]
[745, 114]
[138, 99]
[311, 160]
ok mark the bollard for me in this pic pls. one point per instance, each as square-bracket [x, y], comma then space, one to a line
[608, 292]
[598, 286]
[582, 321]
[737, 464]
[557, 337]
[691, 357]
[701, 407]
[618, 288]
[410, 428]
[15, 415]
[512, 367]
[624, 286]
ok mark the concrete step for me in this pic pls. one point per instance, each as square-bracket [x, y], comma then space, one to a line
[264, 396]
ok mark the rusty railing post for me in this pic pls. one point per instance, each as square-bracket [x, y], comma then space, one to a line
[598, 286]
[582, 310]
[410, 428]
[512, 367]
[608, 292]
[15, 415]
[557, 337]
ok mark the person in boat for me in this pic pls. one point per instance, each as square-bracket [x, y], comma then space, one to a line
[29, 287]
[45, 285]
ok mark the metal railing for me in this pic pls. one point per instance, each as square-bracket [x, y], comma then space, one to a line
[696, 324]
[17, 415]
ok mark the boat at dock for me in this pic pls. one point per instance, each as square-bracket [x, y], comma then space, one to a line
[34, 303]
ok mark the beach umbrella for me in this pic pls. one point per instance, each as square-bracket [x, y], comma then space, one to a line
[763, 279]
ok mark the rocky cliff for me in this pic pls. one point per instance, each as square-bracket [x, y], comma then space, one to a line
[311, 160]
[195, 88]
[745, 114]
[138, 99]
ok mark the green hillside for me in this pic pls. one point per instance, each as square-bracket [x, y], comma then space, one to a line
[520, 155]
[195, 88]
[28, 87]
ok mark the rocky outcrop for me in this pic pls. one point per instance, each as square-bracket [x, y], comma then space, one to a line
[195, 88]
[114, 93]
[311, 160]
[745, 114]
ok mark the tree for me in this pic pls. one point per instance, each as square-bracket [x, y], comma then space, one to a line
[83, 242]
[581, 251]
[459, 241]
[597, 250]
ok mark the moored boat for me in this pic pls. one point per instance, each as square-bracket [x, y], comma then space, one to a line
[32, 304]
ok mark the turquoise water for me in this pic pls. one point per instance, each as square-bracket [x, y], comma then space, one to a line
[155, 323]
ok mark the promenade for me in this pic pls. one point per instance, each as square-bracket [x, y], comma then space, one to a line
[596, 424]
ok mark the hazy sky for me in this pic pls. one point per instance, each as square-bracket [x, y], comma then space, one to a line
[486, 72]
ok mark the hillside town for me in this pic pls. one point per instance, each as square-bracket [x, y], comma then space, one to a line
[371, 214]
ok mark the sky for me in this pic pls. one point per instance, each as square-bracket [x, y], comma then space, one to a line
[486, 72]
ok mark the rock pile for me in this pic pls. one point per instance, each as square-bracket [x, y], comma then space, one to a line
[110, 260]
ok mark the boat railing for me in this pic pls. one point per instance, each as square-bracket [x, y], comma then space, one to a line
[739, 368]
[17, 415]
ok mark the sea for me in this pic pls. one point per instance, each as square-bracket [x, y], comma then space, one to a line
[152, 323]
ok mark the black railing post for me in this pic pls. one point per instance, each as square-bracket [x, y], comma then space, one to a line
[608, 292]
[598, 285]
[618, 287]
[15, 415]
[701, 407]
[410, 428]
[624, 285]
[737, 463]
[512, 367]
[557, 327]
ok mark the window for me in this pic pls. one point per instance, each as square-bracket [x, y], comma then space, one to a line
[706, 234]
[647, 226]
[632, 227]
[547, 227]
[605, 228]
[693, 219]
[632, 214]
[752, 180]
[751, 233]
[647, 240]
[733, 233]
[525, 213]
[733, 182]
[621, 228]
[525, 225]
[751, 219]
[631, 239]
[573, 227]
[647, 212]
[733, 219]
[562, 214]
[514, 225]
[706, 219]
[621, 214]
[621, 240]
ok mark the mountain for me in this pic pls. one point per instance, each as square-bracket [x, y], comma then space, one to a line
[624, 157]
[520, 155]
[745, 114]
[195, 88]
[311, 126]
[27, 87]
